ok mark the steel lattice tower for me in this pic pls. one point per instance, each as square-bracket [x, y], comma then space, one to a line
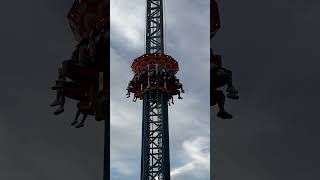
[155, 83]
[154, 29]
[155, 161]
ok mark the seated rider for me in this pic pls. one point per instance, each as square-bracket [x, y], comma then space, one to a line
[220, 77]
[84, 56]
[180, 86]
[151, 76]
[130, 88]
[96, 35]
[82, 109]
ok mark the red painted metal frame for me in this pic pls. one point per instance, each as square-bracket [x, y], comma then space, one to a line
[162, 60]
[214, 16]
[84, 14]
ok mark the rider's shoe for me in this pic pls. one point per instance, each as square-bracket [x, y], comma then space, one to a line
[74, 123]
[80, 125]
[59, 111]
[55, 103]
[224, 115]
[232, 90]
[180, 97]
[232, 95]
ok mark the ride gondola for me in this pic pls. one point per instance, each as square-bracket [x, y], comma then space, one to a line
[85, 76]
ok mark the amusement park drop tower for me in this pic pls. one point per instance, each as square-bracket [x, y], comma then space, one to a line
[155, 83]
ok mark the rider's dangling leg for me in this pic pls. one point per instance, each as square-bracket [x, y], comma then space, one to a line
[76, 118]
[219, 98]
[62, 101]
[224, 76]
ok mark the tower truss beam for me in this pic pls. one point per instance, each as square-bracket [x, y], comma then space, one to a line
[154, 31]
[155, 160]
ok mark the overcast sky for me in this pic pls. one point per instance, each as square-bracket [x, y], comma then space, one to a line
[35, 145]
[187, 41]
[273, 49]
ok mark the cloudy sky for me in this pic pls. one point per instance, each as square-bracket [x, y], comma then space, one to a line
[187, 41]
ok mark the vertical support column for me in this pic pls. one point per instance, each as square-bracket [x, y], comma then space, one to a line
[155, 159]
[154, 29]
[212, 146]
[106, 168]
[145, 139]
[166, 149]
[106, 90]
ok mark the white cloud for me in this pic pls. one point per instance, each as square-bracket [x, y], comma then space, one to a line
[127, 19]
[197, 154]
